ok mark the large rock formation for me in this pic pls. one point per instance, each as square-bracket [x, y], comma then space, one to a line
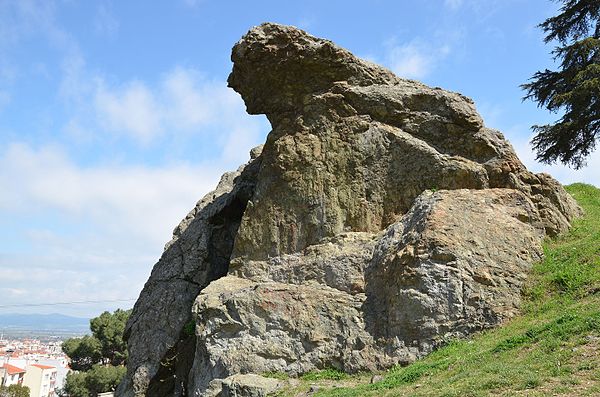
[380, 218]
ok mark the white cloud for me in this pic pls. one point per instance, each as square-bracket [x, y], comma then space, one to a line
[182, 103]
[410, 61]
[100, 228]
[132, 109]
[144, 202]
[192, 102]
[415, 59]
[93, 232]
[97, 230]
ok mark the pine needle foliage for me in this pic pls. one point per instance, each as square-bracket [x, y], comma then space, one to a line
[573, 89]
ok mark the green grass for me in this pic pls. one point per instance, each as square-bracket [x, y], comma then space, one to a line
[326, 374]
[551, 349]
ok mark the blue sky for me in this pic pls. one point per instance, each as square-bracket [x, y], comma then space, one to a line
[115, 117]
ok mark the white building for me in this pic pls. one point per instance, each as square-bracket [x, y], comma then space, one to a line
[11, 375]
[62, 369]
[41, 380]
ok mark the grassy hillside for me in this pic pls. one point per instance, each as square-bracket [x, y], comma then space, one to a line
[551, 349]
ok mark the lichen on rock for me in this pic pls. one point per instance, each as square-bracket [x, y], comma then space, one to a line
[380, 217]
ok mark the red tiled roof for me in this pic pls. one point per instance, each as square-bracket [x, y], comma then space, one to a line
[11, 369]
[42, 366]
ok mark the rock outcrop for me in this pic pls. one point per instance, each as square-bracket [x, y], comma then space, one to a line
[160, 329]
[380, 218]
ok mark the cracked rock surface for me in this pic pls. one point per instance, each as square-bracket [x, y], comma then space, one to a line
[379, 218]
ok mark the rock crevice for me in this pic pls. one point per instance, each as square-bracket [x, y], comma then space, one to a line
[160, 331]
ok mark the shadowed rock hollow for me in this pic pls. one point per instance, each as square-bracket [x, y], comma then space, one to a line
[380, 217]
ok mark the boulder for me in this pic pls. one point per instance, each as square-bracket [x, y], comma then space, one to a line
[454, 264]
[248, 385]
[380, 218]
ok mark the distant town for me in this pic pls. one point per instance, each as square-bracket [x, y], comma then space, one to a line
[39, 365]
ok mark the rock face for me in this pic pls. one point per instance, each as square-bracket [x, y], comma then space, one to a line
[453, 265]
[197, 254]
[380, 218]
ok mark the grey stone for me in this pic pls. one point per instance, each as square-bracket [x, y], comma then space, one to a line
[197, 254]
[243, 385]
[376, 378]
[353, 145]
[453, 265]
[250, 327]
[338, 262]
[249, 385]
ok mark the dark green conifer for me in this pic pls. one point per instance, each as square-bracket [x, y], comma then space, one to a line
[574, 88]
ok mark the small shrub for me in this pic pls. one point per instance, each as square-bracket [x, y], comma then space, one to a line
[326, 374]
[532, 383]
[276, 375]
[189, 328]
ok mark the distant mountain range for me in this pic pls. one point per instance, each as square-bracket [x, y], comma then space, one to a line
[44, 323]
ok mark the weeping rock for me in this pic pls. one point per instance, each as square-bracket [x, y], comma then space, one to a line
[380, 218]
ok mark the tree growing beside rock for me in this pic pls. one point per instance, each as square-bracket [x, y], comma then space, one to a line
[84, 352]
[99, 379]
[574, 88]
[98, 359]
